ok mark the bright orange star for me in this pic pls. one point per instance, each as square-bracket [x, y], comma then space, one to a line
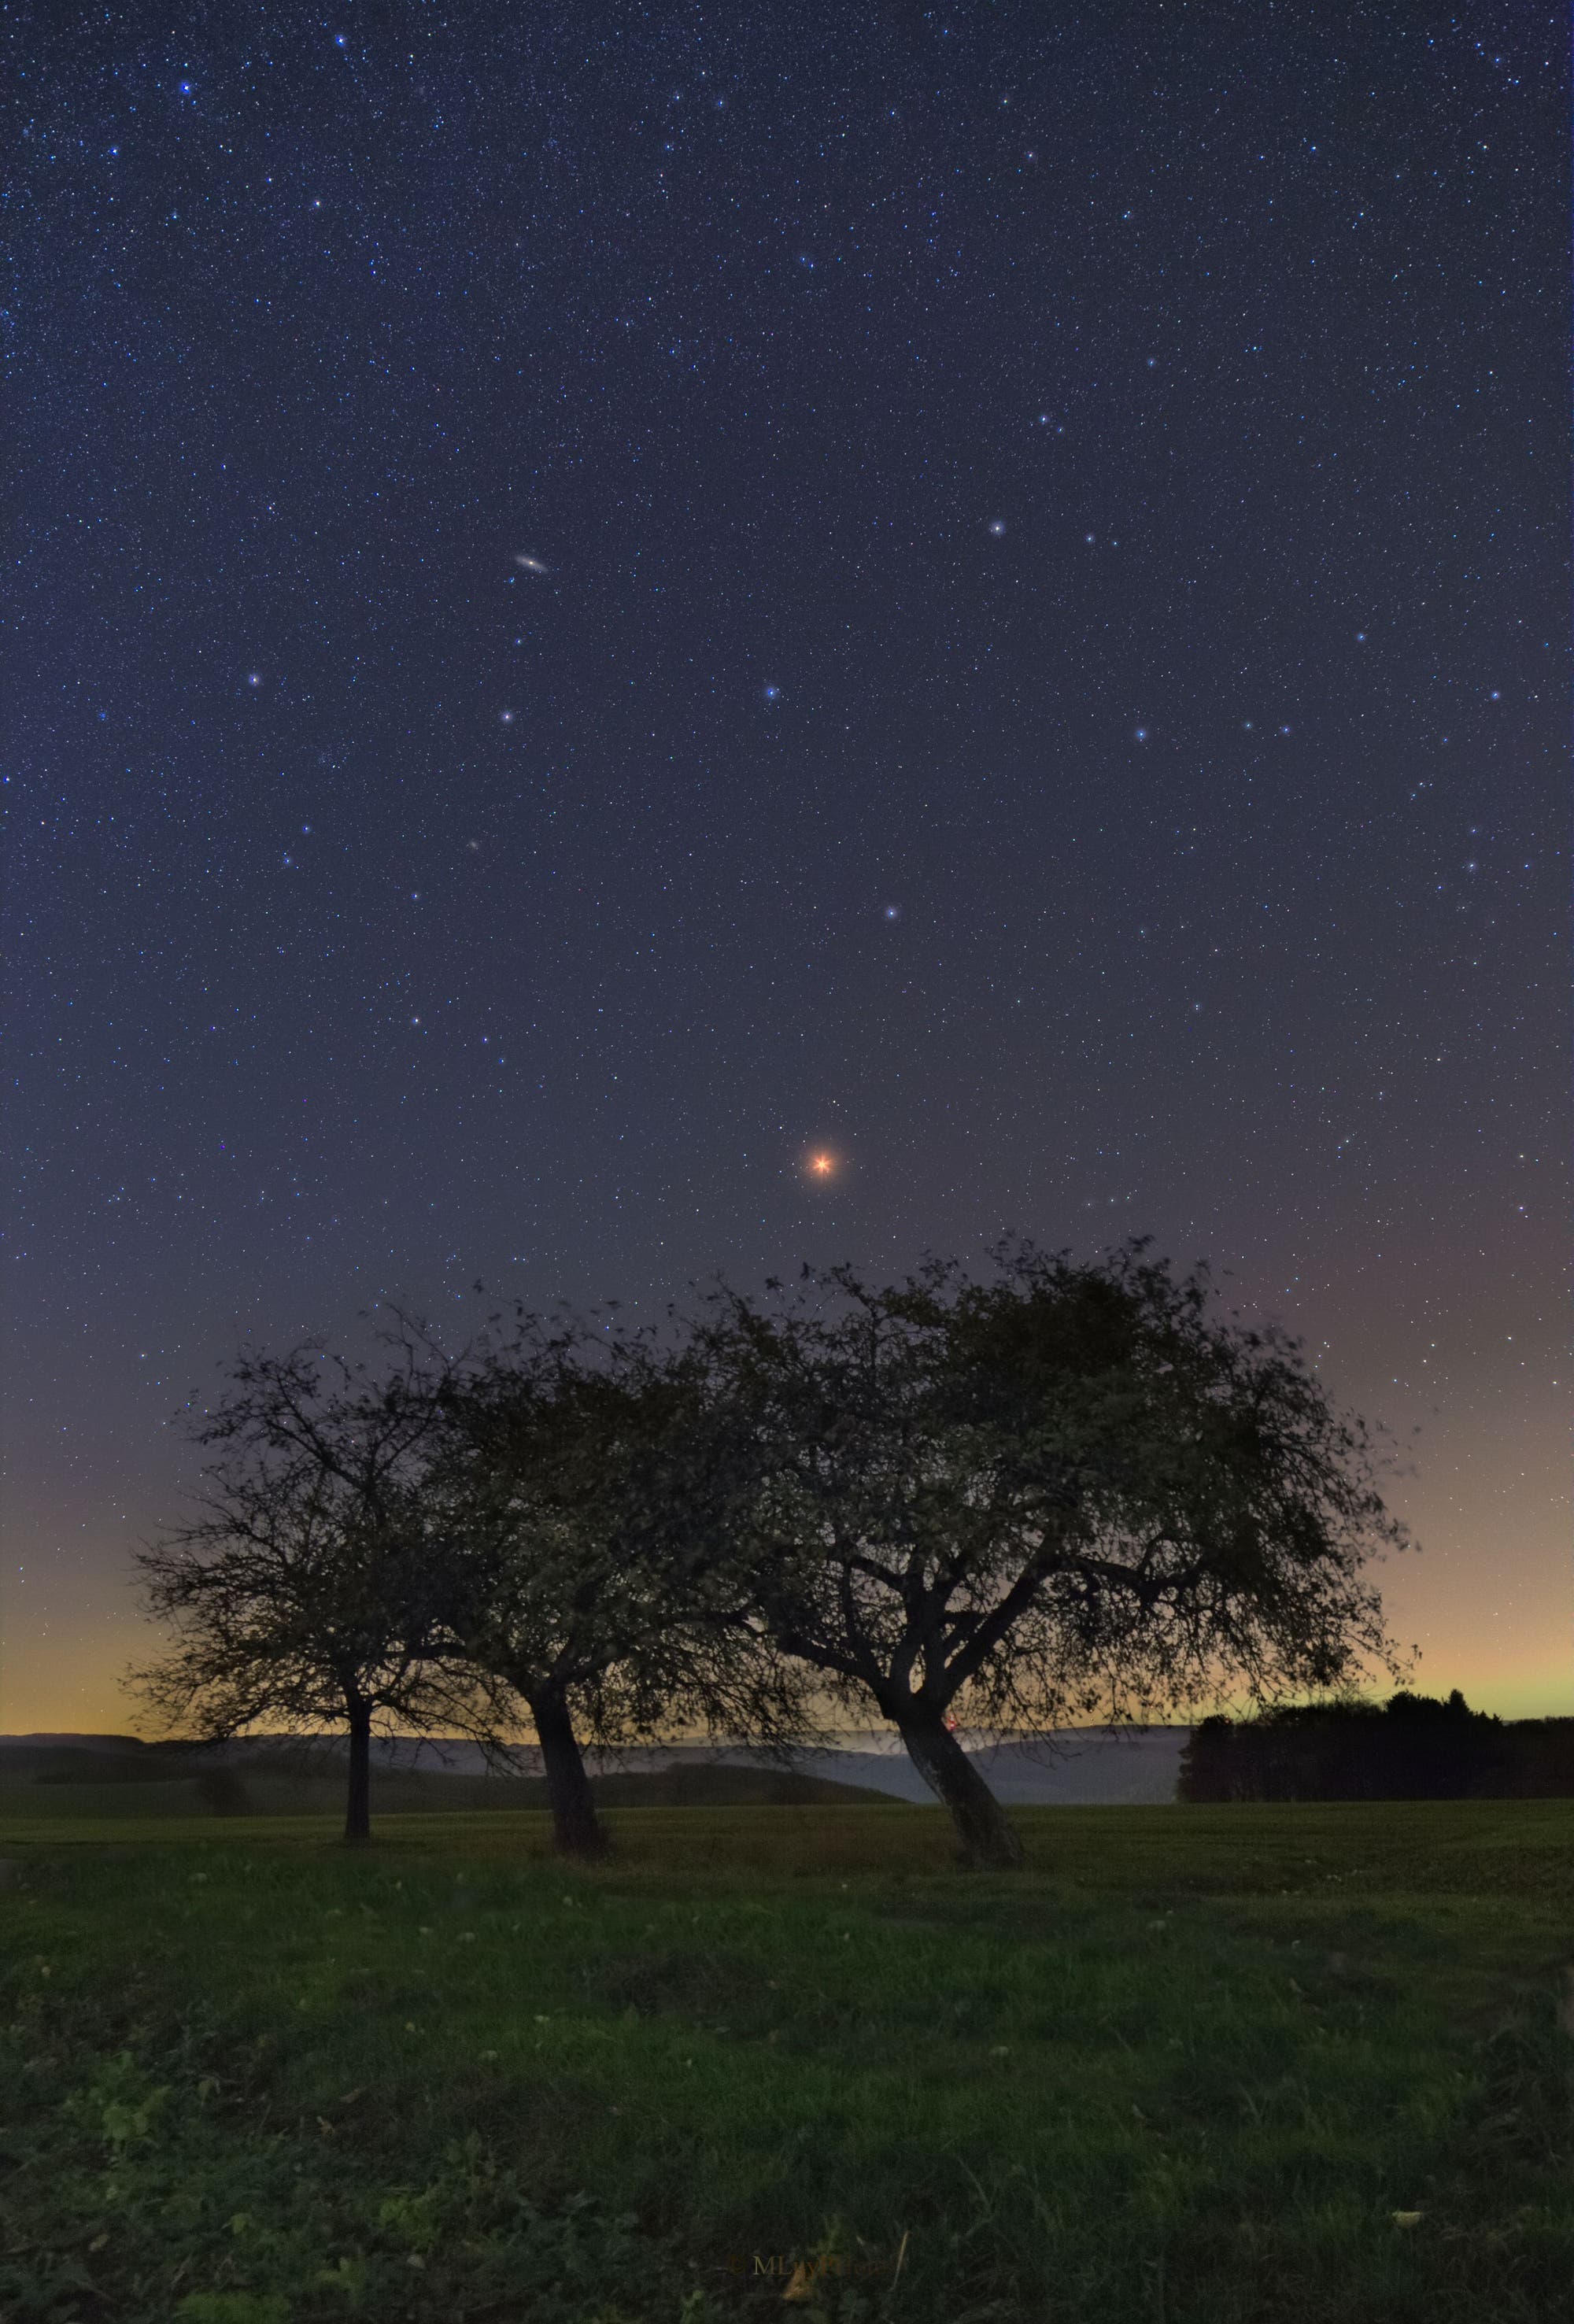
[822, 1165]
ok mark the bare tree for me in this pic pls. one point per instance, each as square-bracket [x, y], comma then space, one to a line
[312, 1587]
[1068, 1488]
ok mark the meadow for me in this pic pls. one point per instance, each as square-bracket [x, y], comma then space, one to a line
[1195, 2065]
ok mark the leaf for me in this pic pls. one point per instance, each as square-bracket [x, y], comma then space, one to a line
[346, 2274]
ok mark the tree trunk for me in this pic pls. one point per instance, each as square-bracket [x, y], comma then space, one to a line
[988, 1842]
[358, 1805]
[575, 1828]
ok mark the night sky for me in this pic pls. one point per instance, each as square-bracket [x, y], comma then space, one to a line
[611, 600]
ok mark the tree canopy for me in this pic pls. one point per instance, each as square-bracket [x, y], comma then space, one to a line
[311, 1587]
[584, 1486]
[1060, 1490]
[1067, 1488]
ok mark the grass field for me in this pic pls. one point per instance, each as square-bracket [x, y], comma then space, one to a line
[1186, 2068]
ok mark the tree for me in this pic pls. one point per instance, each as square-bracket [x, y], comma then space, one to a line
[1413, 1747]
[312, 1588]
[1063, 1489]
[586, 1480]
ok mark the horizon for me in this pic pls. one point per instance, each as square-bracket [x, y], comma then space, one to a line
[435, 1741]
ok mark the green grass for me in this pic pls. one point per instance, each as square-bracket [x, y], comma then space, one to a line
[1183, 2069]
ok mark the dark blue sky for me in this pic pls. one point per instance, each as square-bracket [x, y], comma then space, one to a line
[1040, 673]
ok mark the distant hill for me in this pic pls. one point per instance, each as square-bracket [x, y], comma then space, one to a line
[1085, 1766]
[227, 1791]
[51, 1775]
[87, 1759]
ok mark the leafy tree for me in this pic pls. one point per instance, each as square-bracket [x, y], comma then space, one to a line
[586, 1481]
[1066, 1489]
[312, 1587]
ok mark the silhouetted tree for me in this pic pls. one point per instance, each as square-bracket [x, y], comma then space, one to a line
[311, 1588]
[1065, 1488]
[586, 1481]
[1411, 1747]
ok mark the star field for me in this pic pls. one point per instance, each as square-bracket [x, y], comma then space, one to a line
[610, 604]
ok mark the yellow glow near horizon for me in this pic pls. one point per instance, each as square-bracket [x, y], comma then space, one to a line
[67, 1682]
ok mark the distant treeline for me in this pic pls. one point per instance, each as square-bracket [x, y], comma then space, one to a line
[1414, 1747]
